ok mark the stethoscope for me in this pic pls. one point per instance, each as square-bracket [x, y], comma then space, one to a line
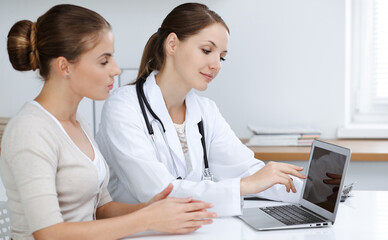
[206, 174]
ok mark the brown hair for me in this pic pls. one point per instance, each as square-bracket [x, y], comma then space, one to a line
[185, 20]
[64, 30]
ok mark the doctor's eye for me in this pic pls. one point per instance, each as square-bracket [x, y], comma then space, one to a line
[222, 59]
[104, 63]
[205, 51]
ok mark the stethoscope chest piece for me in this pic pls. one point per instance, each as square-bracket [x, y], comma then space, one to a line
[207, 175]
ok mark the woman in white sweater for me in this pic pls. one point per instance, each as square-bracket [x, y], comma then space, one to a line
[55, 177]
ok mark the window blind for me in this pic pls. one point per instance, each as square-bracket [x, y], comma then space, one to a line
[380, 52]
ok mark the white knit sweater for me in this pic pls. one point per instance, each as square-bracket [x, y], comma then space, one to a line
[47, 178]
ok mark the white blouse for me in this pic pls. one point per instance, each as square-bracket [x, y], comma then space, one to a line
[180, 130]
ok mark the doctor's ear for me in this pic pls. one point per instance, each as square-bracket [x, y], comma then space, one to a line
[171, 43]
[62, 66]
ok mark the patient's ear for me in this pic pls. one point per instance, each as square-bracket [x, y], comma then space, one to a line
[61, 66]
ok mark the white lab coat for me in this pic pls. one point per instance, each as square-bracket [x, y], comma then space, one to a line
[136, 172]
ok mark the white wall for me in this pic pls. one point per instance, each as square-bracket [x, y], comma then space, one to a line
[285, 64]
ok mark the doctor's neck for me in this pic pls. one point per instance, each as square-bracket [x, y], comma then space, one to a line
[174, 92]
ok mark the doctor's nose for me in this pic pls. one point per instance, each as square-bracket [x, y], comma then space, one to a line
[215, 64]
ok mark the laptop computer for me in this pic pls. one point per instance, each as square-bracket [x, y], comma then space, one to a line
[320, 197]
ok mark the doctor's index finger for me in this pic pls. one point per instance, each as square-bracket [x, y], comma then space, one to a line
[295, 167]
[293, 170]
[297, 174]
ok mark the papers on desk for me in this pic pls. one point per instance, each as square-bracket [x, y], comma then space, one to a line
[263, 136]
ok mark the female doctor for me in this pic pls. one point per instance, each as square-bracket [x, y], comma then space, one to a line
[184, 54]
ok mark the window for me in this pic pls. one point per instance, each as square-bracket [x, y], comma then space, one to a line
[367, 69]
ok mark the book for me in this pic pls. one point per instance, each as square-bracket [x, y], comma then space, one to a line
[253, 141]
[256, 140]
[263, 136]
[257, 130]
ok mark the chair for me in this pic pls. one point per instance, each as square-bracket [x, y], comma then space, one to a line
[5, 222]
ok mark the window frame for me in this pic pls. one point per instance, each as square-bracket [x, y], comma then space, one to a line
[363, 117]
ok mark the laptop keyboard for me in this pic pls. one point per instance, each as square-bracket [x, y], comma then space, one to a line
[291, 214]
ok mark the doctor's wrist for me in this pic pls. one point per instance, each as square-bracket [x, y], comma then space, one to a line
[244, 183]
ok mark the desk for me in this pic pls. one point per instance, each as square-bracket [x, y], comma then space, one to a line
[362, 150]
[363, 216]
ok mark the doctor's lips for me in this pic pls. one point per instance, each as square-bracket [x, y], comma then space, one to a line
[209, 77]
[110, 86]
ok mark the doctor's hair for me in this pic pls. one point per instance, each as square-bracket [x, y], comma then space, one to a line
[185, 20]
[64, 30]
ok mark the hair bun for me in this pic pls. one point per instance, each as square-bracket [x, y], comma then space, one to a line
[34, 55]
[22, 46]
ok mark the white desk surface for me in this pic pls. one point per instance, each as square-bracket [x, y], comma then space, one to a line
[362, 216]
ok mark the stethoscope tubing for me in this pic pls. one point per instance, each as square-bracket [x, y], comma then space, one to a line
[143, 101]
[169, 150]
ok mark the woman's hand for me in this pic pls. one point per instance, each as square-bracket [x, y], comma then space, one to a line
[177, 215]
[162, 195]
[272, 173]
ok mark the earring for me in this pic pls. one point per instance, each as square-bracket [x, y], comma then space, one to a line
[67, 76]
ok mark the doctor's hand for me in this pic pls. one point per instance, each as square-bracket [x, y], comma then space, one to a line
[177, 215]
[162, 195]
[272, 173]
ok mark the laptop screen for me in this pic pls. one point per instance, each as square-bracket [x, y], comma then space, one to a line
[324, 178]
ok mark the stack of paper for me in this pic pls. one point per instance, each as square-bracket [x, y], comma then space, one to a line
[263, 136]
